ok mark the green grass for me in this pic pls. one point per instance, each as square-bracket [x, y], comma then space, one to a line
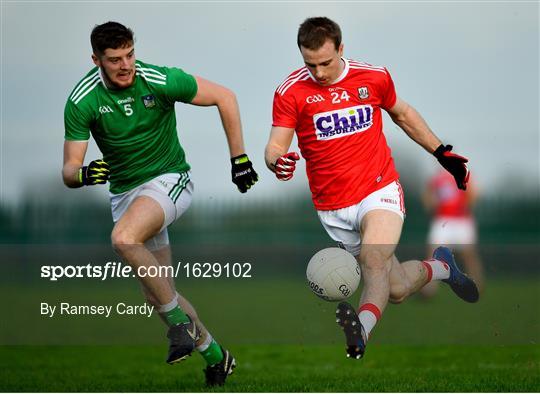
[284, 338]
[253, 312]
[283, 368]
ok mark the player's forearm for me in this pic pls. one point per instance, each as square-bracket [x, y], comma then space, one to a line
[278, 145]
[416, 128]
[230, 118]
[70, 175]
[273, 152]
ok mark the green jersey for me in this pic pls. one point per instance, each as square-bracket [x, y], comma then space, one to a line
[135, 128]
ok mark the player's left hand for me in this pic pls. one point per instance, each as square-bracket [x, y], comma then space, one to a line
[243, 174]
[454, 164]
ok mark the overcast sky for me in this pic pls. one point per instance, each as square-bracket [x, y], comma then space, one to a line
[471, 69]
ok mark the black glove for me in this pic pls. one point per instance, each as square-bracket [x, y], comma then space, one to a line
[243, 174]
[454, 164]
[96, 173]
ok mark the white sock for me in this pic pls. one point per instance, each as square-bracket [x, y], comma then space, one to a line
[436, 270]
[369, 315]
[169, 306]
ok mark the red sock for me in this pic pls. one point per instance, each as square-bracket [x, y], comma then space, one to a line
[436, 270]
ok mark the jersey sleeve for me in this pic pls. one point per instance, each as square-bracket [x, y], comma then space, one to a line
[181, 86]
[76, 123]
[284, 113]
[388, 96]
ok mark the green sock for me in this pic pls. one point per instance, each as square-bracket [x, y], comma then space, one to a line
[175, 316]
[212, 354]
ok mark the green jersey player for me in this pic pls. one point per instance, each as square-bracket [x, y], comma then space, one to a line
[127, 106]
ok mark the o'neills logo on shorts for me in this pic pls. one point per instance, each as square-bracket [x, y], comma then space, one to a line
[343, 122]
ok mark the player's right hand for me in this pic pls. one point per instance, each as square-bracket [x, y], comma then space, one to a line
[96, 173]
[285, 166]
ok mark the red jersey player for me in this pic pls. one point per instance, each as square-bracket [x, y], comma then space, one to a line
[335, 106]
[453, 223]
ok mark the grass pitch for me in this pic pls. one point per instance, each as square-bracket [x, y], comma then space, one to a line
[283, 368]
[284, 340]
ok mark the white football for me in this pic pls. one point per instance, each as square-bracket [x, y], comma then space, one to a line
[333, 274]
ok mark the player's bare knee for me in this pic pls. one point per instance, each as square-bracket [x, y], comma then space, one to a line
[121, 240]
[399, 292]
[396, 301]
[397, 296]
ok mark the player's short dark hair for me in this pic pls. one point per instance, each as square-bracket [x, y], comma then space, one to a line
[314, 32]
[112, 35]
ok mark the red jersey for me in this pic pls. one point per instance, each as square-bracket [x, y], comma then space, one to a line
[339, 130]
[449, 200]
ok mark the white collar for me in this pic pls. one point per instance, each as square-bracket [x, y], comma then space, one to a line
[102, 79]
[340, 78]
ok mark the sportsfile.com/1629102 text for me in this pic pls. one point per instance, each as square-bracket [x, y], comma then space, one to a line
[114, 270]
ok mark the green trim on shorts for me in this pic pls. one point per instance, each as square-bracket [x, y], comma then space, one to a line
[179, 187]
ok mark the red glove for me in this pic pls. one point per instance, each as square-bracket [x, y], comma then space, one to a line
[454, 164]
[285, 166]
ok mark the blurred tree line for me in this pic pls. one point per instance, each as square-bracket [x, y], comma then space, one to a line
[289, 219]
[509, 228]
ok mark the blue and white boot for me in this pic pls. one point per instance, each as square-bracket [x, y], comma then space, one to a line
[461, 284]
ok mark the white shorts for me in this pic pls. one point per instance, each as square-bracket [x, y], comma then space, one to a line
[343, 225]
[452, 231]
[173, 192]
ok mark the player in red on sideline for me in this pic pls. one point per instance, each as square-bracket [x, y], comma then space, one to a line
[453, 223]
[335, 106]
